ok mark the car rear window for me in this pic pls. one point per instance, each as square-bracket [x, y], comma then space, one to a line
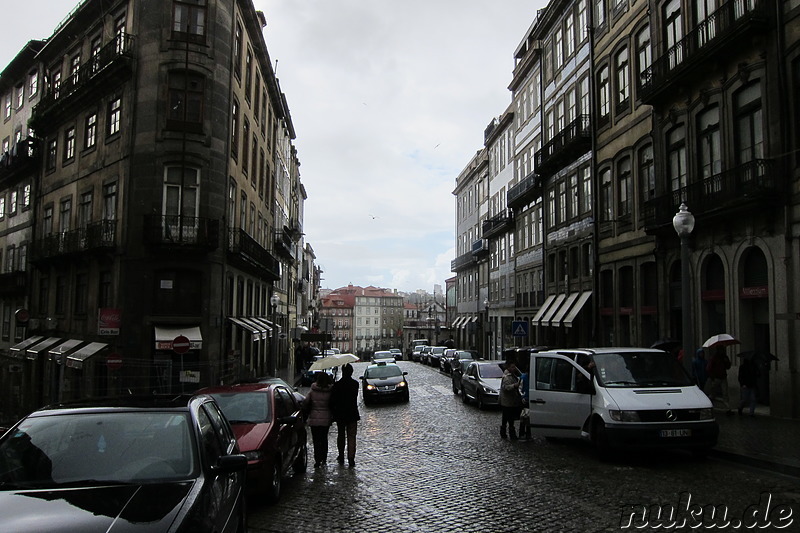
[244, 407]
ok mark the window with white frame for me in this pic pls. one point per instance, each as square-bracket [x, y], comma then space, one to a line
[114, 116]
[90, 131]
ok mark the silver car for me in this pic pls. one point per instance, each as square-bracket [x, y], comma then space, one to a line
[481, 383]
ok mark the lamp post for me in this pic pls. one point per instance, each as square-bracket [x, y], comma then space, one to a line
[273, 301]
[683, 222]
[487, 330]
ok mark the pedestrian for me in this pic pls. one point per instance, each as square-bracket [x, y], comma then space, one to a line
[318, 406]
[748, 384]
[510, 400]
[525, 414]
[344, 408]
[699, 368]
[717, 384]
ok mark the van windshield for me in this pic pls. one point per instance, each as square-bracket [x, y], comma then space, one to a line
[640, 369]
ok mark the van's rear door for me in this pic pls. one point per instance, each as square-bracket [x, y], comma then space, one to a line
[557, 408]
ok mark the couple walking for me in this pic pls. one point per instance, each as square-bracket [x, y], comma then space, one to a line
[329, 402]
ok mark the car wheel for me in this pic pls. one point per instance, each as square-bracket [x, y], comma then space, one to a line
[274, 489]
[301, 462]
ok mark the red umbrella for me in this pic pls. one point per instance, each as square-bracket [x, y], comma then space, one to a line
[722, 339]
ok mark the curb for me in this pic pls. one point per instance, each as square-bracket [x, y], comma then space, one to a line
[764, 464]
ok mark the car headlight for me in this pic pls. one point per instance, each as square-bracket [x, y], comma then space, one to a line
[402, 384]
[706, 414]
[488, 390]
[624, 416]
[371, 387]
[254, 455]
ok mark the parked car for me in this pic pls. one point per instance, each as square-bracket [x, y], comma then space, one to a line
[416, 353]
[619, 398]
[270, 429]
[384, 381]
[434, 355]
[457, 372]
[398, 353]
[382, 356]
[132, 463]
[423, 355]
[481, 383]
[464, 355]
[447, 357]
[415, 343]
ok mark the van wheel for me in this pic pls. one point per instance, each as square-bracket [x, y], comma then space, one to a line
[600, 439]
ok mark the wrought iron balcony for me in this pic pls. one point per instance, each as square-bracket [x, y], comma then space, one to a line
[95, 237]
[192, 233]
[480, 248]
[753, 185]
[568, 144]
[21, 158]
[112, 61]
[526, 191]
[723, 29]
[463, 262]
[284, 244]
[498, 224]
[245, 252]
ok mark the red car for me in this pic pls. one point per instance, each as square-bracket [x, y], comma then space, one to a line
[269, 429]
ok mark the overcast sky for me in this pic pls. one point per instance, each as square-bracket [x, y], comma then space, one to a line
[389, 100]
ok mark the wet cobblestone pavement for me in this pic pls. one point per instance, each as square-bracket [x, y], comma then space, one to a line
[438, 465]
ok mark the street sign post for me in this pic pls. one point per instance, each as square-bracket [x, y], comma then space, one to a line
[519, 328]
[180, 344]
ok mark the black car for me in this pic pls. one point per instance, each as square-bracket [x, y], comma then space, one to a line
[458, 369]
[384, 381]
[127, 464]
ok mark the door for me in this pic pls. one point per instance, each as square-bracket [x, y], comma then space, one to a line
[469, 381]
[287, 435]
[558, 408]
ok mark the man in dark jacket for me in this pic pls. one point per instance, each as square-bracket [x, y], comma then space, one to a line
[344, 404]
[748, 381]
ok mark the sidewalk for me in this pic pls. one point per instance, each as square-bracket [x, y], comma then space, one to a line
[761, 441]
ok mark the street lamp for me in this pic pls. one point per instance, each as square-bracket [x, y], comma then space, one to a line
[273, 301]
[487, 329]
[683, 222]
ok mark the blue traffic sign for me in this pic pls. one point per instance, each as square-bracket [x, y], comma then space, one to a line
[519, 328]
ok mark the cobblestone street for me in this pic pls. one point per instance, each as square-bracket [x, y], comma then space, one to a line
[436, 464]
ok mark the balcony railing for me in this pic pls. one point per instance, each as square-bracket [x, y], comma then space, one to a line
[751, 185]
[21, 157]
[182, 231]
[284, 244]
[525, 191]
[463, 262]
[114, 57]
[98, 236]
[568, 144]
[244, 249]
[724, 27]
[480, 248]
[498, 224]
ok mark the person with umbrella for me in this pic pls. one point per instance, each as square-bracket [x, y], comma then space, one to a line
[318, 406]
[717, 371]
[344, 407]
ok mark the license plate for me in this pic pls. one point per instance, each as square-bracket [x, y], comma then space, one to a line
[675, 433]
[387, 388]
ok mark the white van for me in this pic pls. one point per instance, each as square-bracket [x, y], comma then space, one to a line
[624, 398]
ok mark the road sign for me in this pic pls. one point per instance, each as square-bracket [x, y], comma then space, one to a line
[519, 328]
[180, 344]
[114, 361]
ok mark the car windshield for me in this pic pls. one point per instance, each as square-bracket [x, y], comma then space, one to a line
[98, 448]
[640, 369]
[381, 372]
[464, 355]
[490, 371]
[244, 407]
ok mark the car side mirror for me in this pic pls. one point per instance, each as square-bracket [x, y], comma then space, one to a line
[288, 420]
[362, 377]
[230, 463]
[405, 373]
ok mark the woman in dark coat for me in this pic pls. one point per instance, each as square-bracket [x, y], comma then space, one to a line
[318, 406]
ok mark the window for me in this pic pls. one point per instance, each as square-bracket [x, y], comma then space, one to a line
[104, 295]
[673, 32]
[65, 214]
[606, 196]
[254, 161]
[583, 21]
[708, 140]
[90, 131]
[10, 259]
[69, 143]
[243, 211]
[33, 83]
[114, 116]
[749, 126]
[237, 52]
[235, 130]
[562, 202]
[50, 157]
[248, 74]
[585, 178]
[26, 196]
[647, 174]
[12, 202]
[189, 20]
[110, 201]
[569, 35]
[2, 206]
[85, 210]
[705, 25]
[7, 106]
[623, 75]
[574, 197]
[676, 158]
[599, 13]
[75, 68]
[44, 295]
[81, 293]
[55, 81]
[245, 145]
[644, 55]
[231, 200]
[47, 221]
[583, 96]
[603, 97]
[624, 187]
[257, 98]
[22, 258]
[558, 48]
[119, 32]
[185, 102]
[20, 92]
